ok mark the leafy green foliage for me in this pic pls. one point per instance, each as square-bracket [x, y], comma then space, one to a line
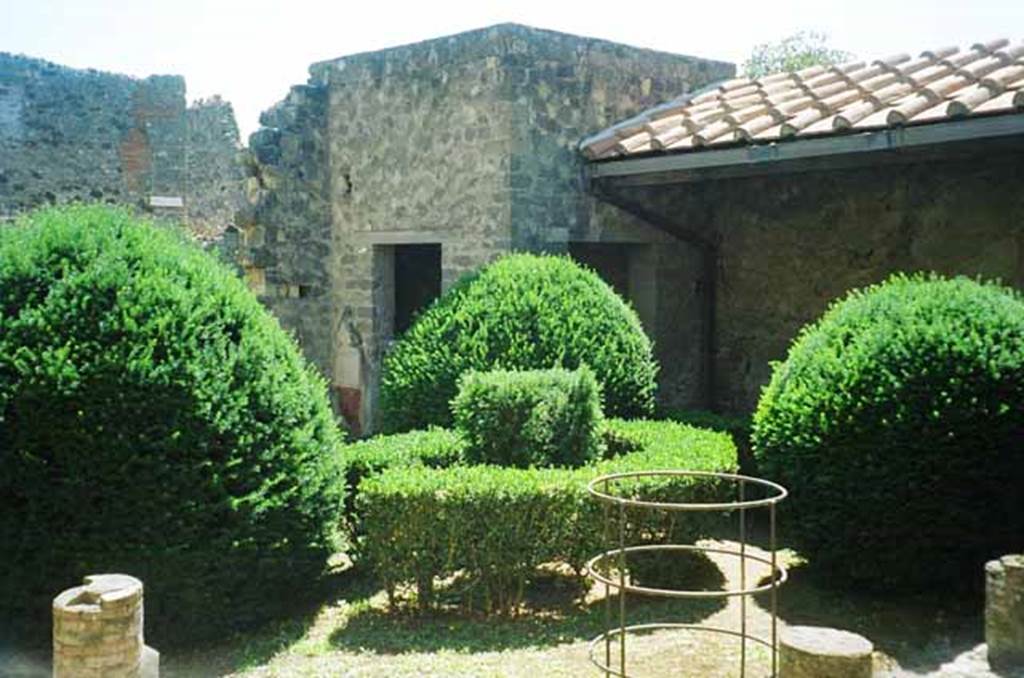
[736, 426]
[897, 422]
[496, 525]
[433, 448]
[522, 312]
[530, 418]
[798, 51]
[154, 420]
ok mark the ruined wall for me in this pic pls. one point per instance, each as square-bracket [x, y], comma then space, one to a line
[67, 134]
[790, 244]
[285, 226]
[82, 135]
[213, 189]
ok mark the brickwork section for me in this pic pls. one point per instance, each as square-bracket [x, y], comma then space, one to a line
[98, 629]
[82, 135]
[468, 142]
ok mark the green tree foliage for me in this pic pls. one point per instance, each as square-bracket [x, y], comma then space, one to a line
[530, 418]
[522, 312]
[154, 420]
[798, 51]
[897, 422]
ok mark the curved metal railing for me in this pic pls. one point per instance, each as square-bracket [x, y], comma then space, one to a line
[601, 489]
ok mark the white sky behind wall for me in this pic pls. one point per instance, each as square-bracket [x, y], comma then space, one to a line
[251, 51]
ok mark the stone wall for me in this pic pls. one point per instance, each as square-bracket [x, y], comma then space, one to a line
[214, 178]
[67, 134]
[790, 244]
[467, 142]
[83, 135]
[285, 226]
[563, 88]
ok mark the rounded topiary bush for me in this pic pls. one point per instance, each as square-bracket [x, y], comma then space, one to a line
[155, 420]
[897, 422]
[531, 417]
[521, 312]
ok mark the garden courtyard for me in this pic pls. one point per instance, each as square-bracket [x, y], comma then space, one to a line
[744, 363]
[271, 541]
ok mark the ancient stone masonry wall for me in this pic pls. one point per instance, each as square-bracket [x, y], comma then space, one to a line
[419, 153]
[82, 135]
[564, 88]
[67, 134]
[466, 143]
[285, 224]
[790, 244]
[214, 190]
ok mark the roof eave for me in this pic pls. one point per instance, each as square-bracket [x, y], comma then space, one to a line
[808, 153]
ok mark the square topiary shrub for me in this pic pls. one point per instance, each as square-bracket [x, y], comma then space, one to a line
[530, 418]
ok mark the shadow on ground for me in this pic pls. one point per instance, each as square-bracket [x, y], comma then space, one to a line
[556, 610]
[258, 646]
[921, 632]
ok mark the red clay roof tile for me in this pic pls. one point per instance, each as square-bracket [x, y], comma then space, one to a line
[939, 85]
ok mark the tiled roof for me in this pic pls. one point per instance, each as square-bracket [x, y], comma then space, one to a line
[939, 85]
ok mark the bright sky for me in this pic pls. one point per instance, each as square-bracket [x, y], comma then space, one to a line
[251, 51]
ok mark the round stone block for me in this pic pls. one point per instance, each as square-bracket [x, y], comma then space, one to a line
[97, 628]
[1004, 612]
[818, 652]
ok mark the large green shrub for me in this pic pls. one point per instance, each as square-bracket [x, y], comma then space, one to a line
[495, 525]
[897, 421]
[522, 312]
[530, 418]
[154, 420]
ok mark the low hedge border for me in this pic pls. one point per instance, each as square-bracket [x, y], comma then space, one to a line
[496, 525]
[432, 448]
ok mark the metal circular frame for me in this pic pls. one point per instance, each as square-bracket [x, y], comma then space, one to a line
[778, 572]
[599, 488]
[781, 492]
[607, 668]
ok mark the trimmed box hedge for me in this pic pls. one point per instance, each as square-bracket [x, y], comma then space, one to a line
[154, 420]
[495, 525]
[433, 448]
[897, 422]
[527, 312]
[530, 418]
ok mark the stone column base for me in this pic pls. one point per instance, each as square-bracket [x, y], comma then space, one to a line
[1004, 611]
[817, 652]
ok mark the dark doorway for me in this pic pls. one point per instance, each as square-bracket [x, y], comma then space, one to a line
[417, 282]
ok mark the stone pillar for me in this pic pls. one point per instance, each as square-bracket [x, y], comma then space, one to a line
[816, 652]
[97, 630]
[1004, 611]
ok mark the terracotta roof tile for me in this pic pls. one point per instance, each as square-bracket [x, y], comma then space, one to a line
[938, 85]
